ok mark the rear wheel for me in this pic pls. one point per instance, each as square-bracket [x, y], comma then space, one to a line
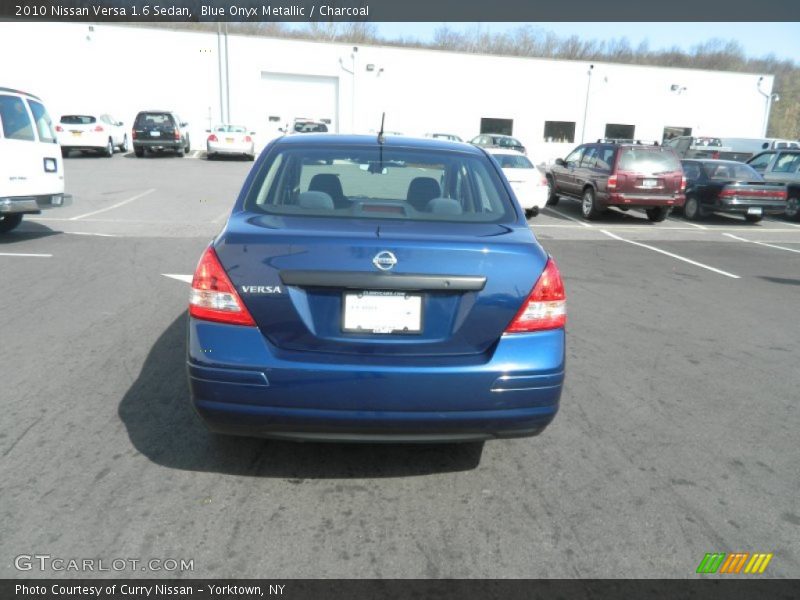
[589, 208]
[64, 152]
[123, 147]
[793, 208]
[9, 222]
[552, 196]
[657, 214]
[109, 149]
[138, 151]
[753, 218]
[691, 210]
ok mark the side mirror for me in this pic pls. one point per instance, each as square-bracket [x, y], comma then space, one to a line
[560, 162]
[184, 124]
[120, 124]
[208, 131]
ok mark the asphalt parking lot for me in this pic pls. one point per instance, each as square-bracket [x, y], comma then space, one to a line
[677, 434]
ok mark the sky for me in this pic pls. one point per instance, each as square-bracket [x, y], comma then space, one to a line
[757, 39]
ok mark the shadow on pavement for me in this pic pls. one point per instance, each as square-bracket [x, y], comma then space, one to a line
[162, 426]
[27, 230]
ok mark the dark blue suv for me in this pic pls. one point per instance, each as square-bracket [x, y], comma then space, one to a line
[376, 290]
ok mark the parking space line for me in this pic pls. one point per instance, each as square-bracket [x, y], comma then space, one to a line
[113, 206]
[27, 255]
[89, 233]
[670, 254]
[741, 239]
[684, 222]
[179, 277]
[553, 210]
[223, 216]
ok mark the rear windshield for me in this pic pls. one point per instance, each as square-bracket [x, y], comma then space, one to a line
[15, 120]
[78, 120]
[648, 160]
[507, 142]
[513, 161]
[230, 129]
[731, 172]
[44, 124]
[154, 120]
[367, 183]
[303, 127]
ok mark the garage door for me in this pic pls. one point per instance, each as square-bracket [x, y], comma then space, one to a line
[286, 97]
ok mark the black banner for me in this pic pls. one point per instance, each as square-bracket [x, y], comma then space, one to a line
[401, 10]
[439, 589]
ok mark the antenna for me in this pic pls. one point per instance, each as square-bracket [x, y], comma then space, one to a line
[380, 133]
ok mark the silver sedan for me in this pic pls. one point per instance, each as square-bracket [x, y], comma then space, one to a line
[230, 140]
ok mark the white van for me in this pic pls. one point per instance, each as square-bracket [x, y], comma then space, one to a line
[31, 169]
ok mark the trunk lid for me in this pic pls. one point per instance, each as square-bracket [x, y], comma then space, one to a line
[293, 273]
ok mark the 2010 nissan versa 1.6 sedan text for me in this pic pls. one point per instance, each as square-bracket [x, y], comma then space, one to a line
[376, 290]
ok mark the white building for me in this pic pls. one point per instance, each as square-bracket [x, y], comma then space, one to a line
[121, 70]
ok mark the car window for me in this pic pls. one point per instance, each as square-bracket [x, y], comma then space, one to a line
[397, 183]
[604, 158]
[15, 120]
[649, 160]
[692, 170]
[508, 142]
[760, 162]
[574, 157]
[77, 120]
[513, 161]
[154, 120]
[787, 163]
[589, 157]
[729, 171]
[44, 124]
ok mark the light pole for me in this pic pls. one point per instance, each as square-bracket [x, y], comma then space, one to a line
[586, 105]
[768, 100]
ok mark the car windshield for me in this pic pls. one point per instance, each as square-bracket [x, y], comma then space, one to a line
[230, 129]
[78, 120]
[648, 160]
[154, 120]
[513, 161]
[374, 183]
[731, 171]
[306, 127]
[508, 142]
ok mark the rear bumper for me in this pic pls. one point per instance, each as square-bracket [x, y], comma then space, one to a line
[159, 144]
[644, 201]
[252, 388]
[232, 149]
[32, 204]
[741, 205]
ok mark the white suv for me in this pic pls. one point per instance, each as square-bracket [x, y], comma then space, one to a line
[92, 133]
[31, 169]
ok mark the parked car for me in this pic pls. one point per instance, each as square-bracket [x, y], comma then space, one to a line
[494, 140]
[160, 130]
[395, 294]
[738, 149]
[309, 126]
[230, 140]
[729, 187]
[31, 167]
[91, 133]
[451, 137]
[528, 182]
[607, 174]
[782, 166]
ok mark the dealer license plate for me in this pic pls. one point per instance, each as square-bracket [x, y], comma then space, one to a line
[155, 134]
[755, 210]
[382, 312]
[649, 183]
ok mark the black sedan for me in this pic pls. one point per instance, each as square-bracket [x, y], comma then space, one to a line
[730, 187]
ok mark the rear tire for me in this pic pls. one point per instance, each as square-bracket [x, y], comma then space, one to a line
[793, 208]
[691, 210]
[64, 152]
[753, 218]
[138, 151]
[123, 147]
[109, 150]
[657, 214]
[589, 208]
[552, 196]
[9, 222]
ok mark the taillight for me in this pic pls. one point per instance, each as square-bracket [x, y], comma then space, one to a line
[212, 138]
[134, 135]
[177, 134]
[683, 183]
[248, 139]
[59, 128]
[99, 128]
[213, 297]
[612, 182]
[715, 155]
[545, 307]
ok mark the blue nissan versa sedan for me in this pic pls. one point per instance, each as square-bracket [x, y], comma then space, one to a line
[376, 290]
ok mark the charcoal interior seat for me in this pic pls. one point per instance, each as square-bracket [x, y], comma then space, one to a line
[422, 190]
[330, 184]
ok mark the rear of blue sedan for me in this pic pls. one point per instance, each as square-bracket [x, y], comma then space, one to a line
[369, 290]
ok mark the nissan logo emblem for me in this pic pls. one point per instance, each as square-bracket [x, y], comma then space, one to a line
[384, 260]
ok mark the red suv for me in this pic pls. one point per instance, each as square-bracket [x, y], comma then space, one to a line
[626, 175]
